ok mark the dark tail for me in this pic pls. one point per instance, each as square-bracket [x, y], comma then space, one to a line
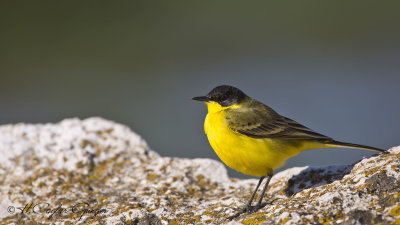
[350, 145]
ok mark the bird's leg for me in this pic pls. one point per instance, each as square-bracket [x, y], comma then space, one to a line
[258, 206]
[248, 207]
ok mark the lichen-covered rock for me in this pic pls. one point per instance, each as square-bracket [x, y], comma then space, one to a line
[96, 171]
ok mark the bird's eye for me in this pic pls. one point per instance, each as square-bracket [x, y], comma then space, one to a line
[222, 98]
[218, 98]
[212, 97]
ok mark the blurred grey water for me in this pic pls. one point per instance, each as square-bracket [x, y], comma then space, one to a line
[332, 67]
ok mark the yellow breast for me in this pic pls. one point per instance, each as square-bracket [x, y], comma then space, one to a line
[252, 156]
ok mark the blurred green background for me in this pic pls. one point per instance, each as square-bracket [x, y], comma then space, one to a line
[332, 66]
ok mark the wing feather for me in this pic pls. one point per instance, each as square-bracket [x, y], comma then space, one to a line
[259, 121]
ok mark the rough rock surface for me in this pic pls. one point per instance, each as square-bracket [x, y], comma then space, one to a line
[96, 171]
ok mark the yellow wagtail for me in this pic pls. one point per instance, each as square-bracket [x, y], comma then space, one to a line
[252, 138]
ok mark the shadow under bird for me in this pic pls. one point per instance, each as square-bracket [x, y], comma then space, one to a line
[252, 138]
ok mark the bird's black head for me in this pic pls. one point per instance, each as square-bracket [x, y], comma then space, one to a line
[224, 95]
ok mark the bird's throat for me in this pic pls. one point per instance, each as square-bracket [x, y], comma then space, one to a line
[214, 107]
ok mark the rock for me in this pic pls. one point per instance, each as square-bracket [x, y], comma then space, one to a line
[96, 171]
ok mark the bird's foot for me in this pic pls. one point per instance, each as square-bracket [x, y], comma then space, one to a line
[247, 209]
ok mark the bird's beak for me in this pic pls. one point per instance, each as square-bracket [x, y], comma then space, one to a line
[201, 98]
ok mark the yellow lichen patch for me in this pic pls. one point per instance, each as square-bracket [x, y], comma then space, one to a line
[395, 212]
[152, 176]
[85, 143]
[256, 218]
[284, 220]
[102, 198]
[175, 221]
[373, 171]
[41, 184]
[185, 218]
[331, 219]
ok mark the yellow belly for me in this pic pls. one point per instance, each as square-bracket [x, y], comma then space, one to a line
[251, 156]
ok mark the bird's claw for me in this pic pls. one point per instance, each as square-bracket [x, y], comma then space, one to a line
[247, 209]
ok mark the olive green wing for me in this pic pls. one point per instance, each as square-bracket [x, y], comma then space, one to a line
[259, 121]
